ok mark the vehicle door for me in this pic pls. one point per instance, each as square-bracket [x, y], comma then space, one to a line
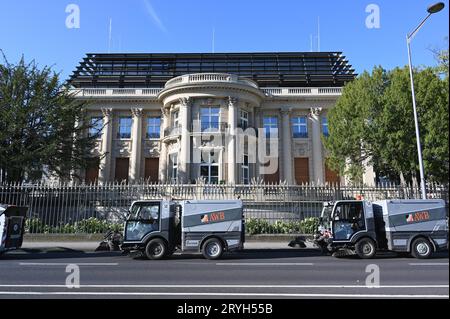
[144, 218]
[348, 219]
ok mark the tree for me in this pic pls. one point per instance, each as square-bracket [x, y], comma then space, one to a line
[376, 110]
[43, 128]
[351, 122]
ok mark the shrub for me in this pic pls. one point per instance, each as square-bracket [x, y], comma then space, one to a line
[262, 226]
[310, 225]
[35, 225]
[90, 226]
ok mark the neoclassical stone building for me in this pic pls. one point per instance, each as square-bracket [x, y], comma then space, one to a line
[180, 117]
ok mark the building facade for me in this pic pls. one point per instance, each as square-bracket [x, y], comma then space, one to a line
[185, 117]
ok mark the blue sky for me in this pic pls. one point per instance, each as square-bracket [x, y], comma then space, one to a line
[38, 29]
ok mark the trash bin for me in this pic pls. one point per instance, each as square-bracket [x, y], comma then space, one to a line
[12, 227]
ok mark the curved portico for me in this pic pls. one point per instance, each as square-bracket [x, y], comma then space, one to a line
[194, 104]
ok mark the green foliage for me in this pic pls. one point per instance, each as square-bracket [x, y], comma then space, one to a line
[373, 123]
[36, 226]
[255, 226]
[310, 225]
[87, 226]
[42, 126]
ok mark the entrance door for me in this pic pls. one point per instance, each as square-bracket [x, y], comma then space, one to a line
[331, 176]
[301, 170]
[92, 170]
[122, 167]
[152, 170]
[348, 219]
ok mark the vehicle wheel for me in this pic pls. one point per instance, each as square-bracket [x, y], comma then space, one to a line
[365, 248]
[212, 249]
[156, 249]
[421, 248]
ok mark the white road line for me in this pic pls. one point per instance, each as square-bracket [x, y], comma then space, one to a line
[218, 294]
[230, 286]
[65, 264]
[264, 264]
[428, 264]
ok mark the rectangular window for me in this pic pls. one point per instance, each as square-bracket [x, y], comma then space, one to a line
[299, 127]
[173, 167]
[96, 125]
[124, 127]
[209, 167]
[210, 118]
[245, 171]
[153, 127]
[325, 131]
[271, 126]
[243, 119]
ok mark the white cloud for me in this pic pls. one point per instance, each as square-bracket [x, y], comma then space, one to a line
[152, 13]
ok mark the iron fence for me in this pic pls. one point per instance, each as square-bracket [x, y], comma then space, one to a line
[68, 208]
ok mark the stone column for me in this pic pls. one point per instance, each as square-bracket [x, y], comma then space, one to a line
[136, 148]
[105, 162]
[165, 119]
[257, 125]
[369, 174]
[185, 143]
[231, 148]
[287, 145]
[317, 146]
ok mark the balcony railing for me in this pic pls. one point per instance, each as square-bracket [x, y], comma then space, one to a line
[209, 127]
[149, 92]
[205, 77]
[209, 77]
[302, 91]
[172, 131]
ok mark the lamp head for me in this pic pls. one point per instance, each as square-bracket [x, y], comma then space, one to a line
[435, 8]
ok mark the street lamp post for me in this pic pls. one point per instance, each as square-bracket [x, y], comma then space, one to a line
[431, 10]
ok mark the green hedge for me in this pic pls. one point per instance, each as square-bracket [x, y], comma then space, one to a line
[86, 226]
[262, 226]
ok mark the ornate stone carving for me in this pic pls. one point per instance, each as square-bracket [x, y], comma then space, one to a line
[107, 112]
[165, 111]
[137, 112]
[285, 110]
[315, 111]
[232, 101]
[301, 150]
[186, 101]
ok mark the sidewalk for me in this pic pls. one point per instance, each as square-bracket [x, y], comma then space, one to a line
[90, 246]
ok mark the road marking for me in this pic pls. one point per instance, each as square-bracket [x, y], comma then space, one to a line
[264, 264]
[218, 294]
[428, 264]
[228, 286]
[65, 264]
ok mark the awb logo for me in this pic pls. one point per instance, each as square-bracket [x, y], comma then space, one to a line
[417, 217]
[213, 217]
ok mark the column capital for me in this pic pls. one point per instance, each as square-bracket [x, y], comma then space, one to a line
[315, 111]
[165, 111]
[186, 101]
[137, 112]
[285, 110]
[107, 112]
[232, 101]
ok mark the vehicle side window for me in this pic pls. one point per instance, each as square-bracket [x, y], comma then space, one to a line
[145, 211]
[350, 211]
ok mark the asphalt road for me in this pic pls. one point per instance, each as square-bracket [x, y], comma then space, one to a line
[253, 273]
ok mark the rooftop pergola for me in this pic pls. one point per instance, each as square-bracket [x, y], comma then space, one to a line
[285, 69]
